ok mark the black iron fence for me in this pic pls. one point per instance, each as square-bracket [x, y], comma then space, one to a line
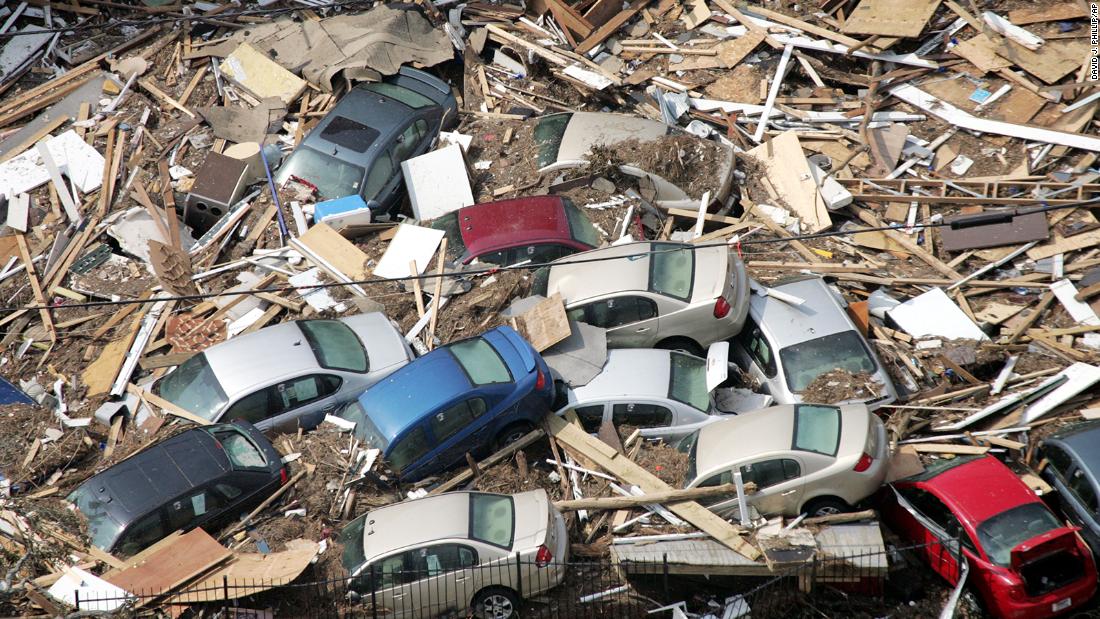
[850, 585]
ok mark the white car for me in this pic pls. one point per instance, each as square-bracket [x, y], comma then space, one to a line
[803, 458]
[455, 552]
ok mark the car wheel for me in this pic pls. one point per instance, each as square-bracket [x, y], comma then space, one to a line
[826, 506]
[496, 603]
[512, 434]
[684, 345]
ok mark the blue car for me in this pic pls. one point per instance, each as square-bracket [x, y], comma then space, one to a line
[473, 395]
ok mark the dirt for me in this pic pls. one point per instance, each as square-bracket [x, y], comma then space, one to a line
[839, 386]
[664, 461]
[683, 160]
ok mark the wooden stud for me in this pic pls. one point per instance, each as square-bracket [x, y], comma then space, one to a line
[28, 263]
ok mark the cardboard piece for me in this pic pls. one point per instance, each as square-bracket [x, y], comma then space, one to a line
[891, 18]
[545, 324]
[934, 314]
[410, 243]
[261, 76]
[241, 125]
[437, 182]
[789, 172]
[81, 163]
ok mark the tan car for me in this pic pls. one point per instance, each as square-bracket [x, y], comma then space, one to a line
[456, 552]
[804, 458]
[654, 295]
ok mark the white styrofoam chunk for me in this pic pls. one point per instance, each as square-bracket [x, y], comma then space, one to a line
[437, 182]
[76, 159]
[935, 314]
[410, 243]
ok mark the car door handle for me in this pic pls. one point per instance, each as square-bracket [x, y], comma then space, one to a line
[328, 408]
[788, 493]
[641, 330]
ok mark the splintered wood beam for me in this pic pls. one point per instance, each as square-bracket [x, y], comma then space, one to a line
[39, 298]
[603, 32]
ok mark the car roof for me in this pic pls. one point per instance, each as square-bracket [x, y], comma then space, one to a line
[247, 361]
[494, 225]
[1081, 439]
[159, 473]
[744, 436]
[980, 488]
[580, 281]
[588, 129]
[413, 522]
[379, 112]
[789, 324]
[635, 372]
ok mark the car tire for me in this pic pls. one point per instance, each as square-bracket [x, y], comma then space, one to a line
[511, 434]
[682, 344]
[496, 603]
[826, 506]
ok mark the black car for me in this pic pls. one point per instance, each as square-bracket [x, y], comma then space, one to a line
[205, 477]
[358, 147]
[1073, 469]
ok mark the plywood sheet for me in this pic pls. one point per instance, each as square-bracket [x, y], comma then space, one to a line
[980, 52]
[789, 174]
[1053, 61]
[1060, 245]
[1045, 13]
[260, 75]
[338, 251]
[251, 573]
[545, 324]
[187, 557]
[996, 313]
[892, 18]
[729, 54]
[100, 374]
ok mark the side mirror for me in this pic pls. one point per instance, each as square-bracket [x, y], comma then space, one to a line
[373, 205]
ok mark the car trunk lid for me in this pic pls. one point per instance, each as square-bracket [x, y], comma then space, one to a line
[532, 520]
[1042, 546]
[1049, 561]
[711, 281]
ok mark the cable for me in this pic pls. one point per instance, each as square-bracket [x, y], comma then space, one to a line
[961, 223]
[118, 22]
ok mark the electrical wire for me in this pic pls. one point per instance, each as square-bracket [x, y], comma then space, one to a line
[965, 222]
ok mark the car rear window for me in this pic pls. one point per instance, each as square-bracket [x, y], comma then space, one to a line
[548, 135]
[240, 450]
[352, 539]
[671, 270]
[331, 177]
[335, 345]
[481, 361]
[492, 519]
[687, 381]
[410, 98]
[1001, 533]
[817, 428]
[804, 362]
[349, 134]
[193, 387]
[102, 528]
[579, 224]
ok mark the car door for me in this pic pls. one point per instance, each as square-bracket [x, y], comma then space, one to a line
[1079, 503]
[444, 579]
[387, 583]
[408, 145]
[653, 419]
[457, 430]
[756, 355]
[779, 485]
[630, 320]
[937, 530]
[283, 407]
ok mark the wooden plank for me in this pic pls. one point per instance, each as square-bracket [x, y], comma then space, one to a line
[620, 502]
[870, 219]
[336, 250]
[1047, 12]
[789, 173]
[892, 18]
[33, 139]
[612, 461]
[148, 85]
[569, 18]
[982, 53]
[166, 406]
[101, 373]
[948, 448]
[545, 324]
[466, 475]
[39, 298]
[613, 24]
[187, 557]
[437, 296]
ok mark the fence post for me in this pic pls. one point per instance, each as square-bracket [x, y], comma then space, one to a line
[76, 598]
[225, 590]
[664, 576]
[373, 590]
[519, 575]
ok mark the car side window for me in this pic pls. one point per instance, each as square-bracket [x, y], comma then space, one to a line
[770, 472]
[612, 313]
[440, 559]
[545, 253]
[641, 415]
[294, 393]
[142, 534]
[934, 509]
[393, 572]
[406, 145]
[591, 417]
[253, 408]
[184, 511]
[1058, 458]
[753, 340]
[409, 448]
[229, 491]
[718, 479]
[450, 421]
[1080, 485]
[378, 176]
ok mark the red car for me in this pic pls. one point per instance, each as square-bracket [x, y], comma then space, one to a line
[539, 229]
[1024, 562]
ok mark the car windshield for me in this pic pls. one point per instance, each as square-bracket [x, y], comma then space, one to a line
[817, 428]
[352, 539]
[332, 177]
[804, 362]
[687, 381]
[1001, 533]
[335, 345]
[448, 223]
[481, 361]
[365, 430]
[193, 387]
[548, 135]
[102, 528]
[241, 451]
[671, 270]
[688, 445]
[579, 224]
[410, 98]
[492, 519]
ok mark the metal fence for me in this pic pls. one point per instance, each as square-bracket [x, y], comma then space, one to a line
[836, 585]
